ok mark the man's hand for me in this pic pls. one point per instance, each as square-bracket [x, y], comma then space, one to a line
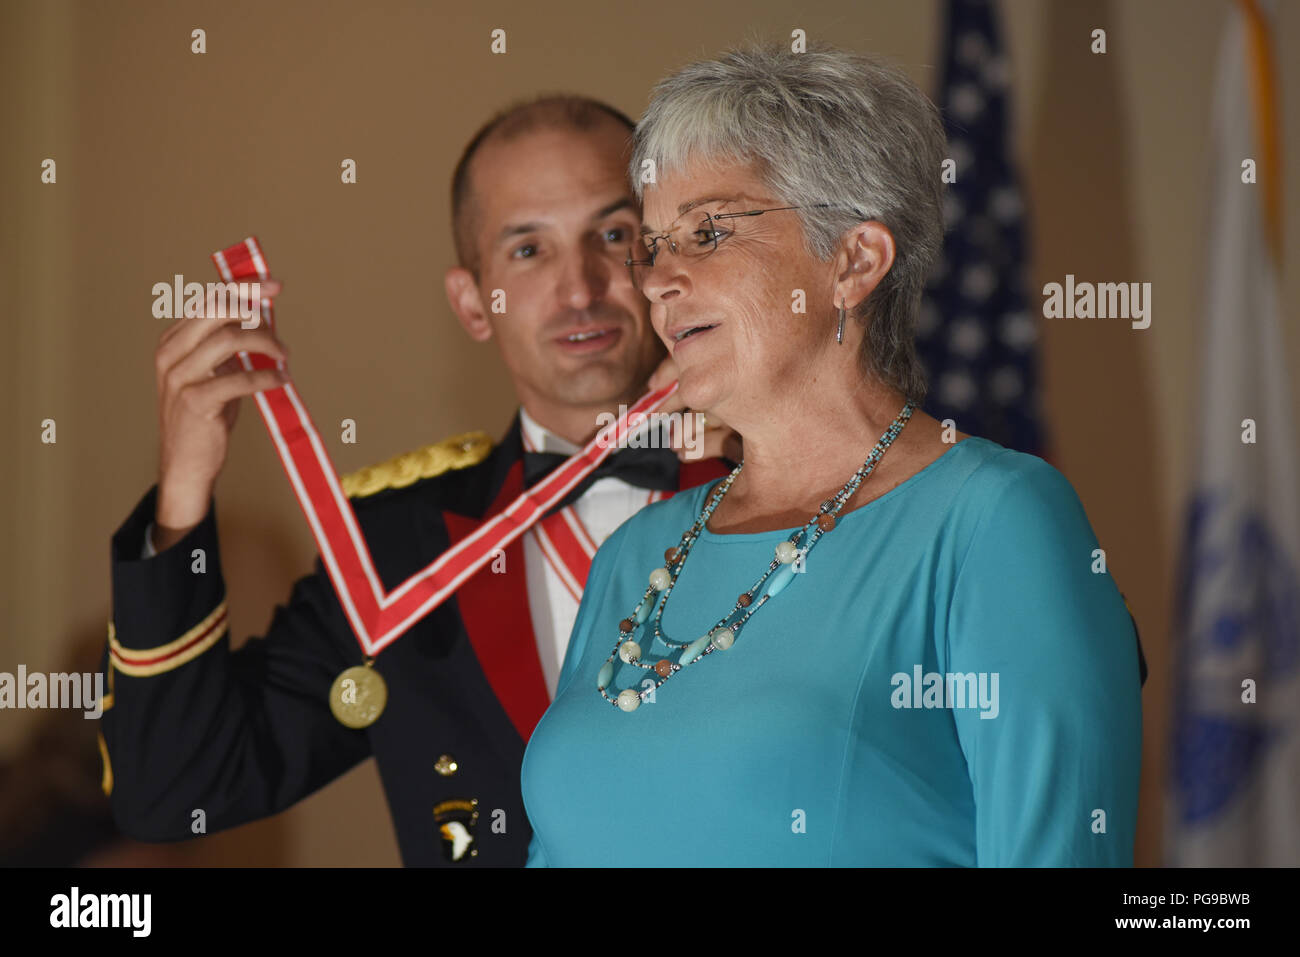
[718, 440]
[200, 382]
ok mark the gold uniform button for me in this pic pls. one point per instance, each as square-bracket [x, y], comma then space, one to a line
[446, 765]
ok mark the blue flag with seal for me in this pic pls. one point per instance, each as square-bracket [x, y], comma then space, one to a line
[1235, 789]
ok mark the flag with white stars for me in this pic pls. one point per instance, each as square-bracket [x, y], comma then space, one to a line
[976, 335]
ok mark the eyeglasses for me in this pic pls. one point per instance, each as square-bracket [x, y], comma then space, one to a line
[702, 242]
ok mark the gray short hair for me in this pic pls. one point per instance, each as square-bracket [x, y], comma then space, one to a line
[824, 126]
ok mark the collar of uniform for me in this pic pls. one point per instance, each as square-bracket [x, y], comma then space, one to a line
[538, 438]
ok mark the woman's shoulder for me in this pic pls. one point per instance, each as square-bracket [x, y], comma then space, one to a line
[995, 470]
[1016, 491]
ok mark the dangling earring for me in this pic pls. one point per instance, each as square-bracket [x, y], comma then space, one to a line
[839, 333]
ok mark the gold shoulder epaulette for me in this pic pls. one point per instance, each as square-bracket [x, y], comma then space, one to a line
[457, 452]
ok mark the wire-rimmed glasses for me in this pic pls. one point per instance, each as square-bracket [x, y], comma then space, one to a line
[703, 241]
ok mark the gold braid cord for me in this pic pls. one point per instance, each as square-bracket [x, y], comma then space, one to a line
[457, 452]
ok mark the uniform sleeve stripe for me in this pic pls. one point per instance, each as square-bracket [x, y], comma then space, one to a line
[108, 698]
[151, 661]
[107, 781]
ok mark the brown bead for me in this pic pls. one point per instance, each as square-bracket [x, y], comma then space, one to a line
[744, 600]
[826, 522]
[626, 625]
[670, 556]
[663, 667]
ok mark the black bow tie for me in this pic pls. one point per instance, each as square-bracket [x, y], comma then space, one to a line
[644, 468]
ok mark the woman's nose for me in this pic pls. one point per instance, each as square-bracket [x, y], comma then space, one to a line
[664, 280]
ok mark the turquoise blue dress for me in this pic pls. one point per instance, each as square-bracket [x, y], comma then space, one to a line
[952, 681]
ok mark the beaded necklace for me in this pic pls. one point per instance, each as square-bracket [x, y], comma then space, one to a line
[779, 573]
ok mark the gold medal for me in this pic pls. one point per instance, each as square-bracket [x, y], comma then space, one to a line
[358, 696]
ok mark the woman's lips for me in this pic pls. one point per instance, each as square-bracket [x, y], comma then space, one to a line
[691, 337]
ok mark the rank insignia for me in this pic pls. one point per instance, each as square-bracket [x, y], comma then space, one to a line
[456, 820]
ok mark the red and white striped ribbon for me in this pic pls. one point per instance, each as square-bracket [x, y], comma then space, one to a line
[377, 617]
[566, 544]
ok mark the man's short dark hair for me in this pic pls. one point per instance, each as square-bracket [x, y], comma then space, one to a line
[554, 111]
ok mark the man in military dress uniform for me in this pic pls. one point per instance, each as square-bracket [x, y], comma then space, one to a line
[543, 212]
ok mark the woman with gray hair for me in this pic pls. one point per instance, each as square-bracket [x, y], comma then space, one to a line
[877, 642]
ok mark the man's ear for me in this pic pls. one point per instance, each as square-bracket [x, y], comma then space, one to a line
[467, 303]
[866, 255]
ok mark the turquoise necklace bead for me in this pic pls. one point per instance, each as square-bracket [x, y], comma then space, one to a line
[783, 577]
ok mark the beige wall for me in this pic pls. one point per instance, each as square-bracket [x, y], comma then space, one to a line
[163, 156]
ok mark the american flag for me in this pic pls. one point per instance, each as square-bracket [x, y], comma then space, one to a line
[976, 335]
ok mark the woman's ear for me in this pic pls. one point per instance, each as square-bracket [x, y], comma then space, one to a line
[467, 303]
[865, 256]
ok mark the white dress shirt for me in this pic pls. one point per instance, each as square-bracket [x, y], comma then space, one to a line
[606, 505]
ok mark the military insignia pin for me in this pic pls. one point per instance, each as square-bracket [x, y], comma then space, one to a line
[456, 820]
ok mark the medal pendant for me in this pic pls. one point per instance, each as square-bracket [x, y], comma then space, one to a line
[358, 696]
